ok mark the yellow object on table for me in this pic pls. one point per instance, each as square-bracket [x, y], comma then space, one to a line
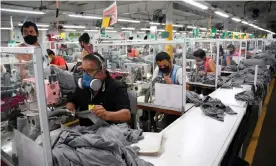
[91, 107]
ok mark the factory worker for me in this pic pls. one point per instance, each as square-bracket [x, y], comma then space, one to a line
[97, 91]
[30, 34]
[56, 61]
[204, 64]
[171, 73]
[231, 51]
[87, 47]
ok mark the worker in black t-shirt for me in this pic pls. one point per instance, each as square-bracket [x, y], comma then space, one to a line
[97, 91]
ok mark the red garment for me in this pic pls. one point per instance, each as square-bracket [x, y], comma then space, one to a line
[59, 61]
[206, 64]
[132, 54]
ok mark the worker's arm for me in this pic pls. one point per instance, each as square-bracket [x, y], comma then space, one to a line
[122, 115]
[212, 66]
[228, 61]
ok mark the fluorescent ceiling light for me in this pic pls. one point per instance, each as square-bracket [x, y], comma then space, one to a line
[126, 20]
[222, 14]
[177, 25]
[73, 26]
[128, 28]
[69, 30]
[111, 31]
[6, 28]
[91, 30]
[145, 29]
[244, 22]
[154, 23]
[236, 19]
[161, 30]
[174, 31]
[109, 28]
[85, 17]
[140, 32]
[203, 29]
[190, 27]
[196, 4]
[38, 25]
[21, 11]
[42, 29]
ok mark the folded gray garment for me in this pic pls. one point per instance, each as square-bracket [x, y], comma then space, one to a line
[246, 96]
[214, 108]
[91, 116]
[193, 97]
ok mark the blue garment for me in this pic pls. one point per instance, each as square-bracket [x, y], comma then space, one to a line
[172, 74]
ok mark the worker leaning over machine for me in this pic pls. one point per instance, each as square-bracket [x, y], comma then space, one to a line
[171, 73]
[87, 47]
[30, 33]
[204, 64]
[105, 97]
[231, 51]
[56, 61]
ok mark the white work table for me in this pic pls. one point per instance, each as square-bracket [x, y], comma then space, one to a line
[196, 140]
[227, 96]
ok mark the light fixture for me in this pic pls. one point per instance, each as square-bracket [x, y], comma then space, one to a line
[190, 27]
[154, 23]
[222, 14]
[203, 29]
[244, 22]
[111, 31]
[5, 28]
[69, 30]
[174, 31]
[38, 25]
[177, 25]
[21, 11]
[126, 20]
[140, 32]
[91, 30]
[196, 4]
[145, 29]
[236, 19]
[109, 28]
[42, 29]
[127, 28]
[85, 17]
[161, 30]
[73, 26]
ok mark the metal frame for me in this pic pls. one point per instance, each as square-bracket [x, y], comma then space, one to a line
[41, 96]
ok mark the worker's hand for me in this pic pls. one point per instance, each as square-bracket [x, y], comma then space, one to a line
[100, 112]
[202, 73]
[70, 107]
[168, 80]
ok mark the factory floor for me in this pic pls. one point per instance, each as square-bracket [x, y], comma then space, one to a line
[261, 150]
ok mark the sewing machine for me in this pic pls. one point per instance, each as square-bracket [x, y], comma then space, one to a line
[144, 68]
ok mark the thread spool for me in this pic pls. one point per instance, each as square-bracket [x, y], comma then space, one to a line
[21, 123]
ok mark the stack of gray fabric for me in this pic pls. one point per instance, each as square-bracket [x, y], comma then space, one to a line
[193, 97]
[268, 58]
[214, 108]
[271, 48]
[207, 79]
[232, 68]
[99, 144]
[246, 96]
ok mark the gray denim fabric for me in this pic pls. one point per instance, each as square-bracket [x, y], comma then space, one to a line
[193, 97]
[214, 108]
[232, 68]
[66, 80]
[247, 96]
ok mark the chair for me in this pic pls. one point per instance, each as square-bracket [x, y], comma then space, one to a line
[132, 95]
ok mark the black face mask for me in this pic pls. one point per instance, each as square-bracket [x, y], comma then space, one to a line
[165, 69]
[29, 39]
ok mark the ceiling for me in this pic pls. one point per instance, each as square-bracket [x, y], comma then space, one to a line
[177, 11]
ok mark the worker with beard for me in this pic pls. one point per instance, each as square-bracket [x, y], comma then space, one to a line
[171, 73]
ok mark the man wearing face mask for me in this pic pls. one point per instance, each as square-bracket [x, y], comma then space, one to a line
[97, 89]
[204, 64]
[171, 73]
[30, 33]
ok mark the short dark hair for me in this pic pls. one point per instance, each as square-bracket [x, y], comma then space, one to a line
[28, 24]
[231, 46]
[95, 57]
[84, 38]
[162, 56]
[50, 52]
[200, 53]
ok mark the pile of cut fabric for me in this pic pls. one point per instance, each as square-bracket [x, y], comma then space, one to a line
[99, 144]
[193, 97]
[232, 68]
